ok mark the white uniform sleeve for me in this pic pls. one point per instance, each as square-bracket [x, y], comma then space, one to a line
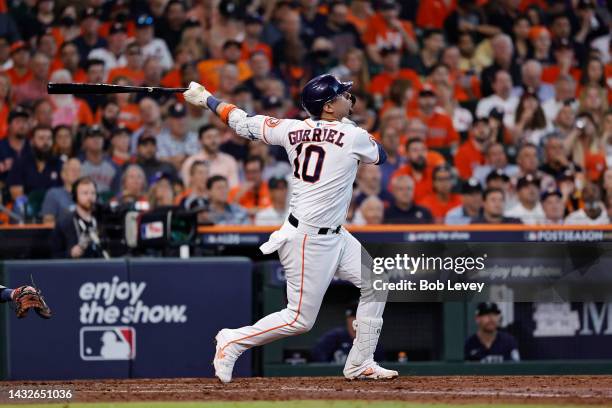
[263, 128]
[365, 148]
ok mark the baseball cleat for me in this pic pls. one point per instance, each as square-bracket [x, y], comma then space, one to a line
[223, 361]
[376, 372]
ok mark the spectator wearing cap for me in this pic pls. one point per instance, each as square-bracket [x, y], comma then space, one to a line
[528, 209]
[553, 207]
[221, 211]
[334, 345]
[541, 40]
[119, 150]
[175, 143]
[338, 29]
[252, 43]
[471, 153]
[150, 45]
[442, 200]
[20, 72]
[252, 194]
[37, 169]
[386, 30]
[419, 166]
[95, 164]
[70, 60]
[441, 133]
[36, 87]
[161, 193]
[146, 158]
[593, 211]
[403, 210]
[150, 114]
[585, 147]
[501, 98]
[94, 70]
[219, 163]
[260, 67]
[113, 52]
[471, 204]
[565, 90]
[495, 159]
[503, 50]
[15, 144]
[493, 208]
[499, 179]
[489, 344]
[391, 71]
[90, 38]
[429, 55]
[171, 25]
[276, 213]
[210, 69]
[58, 200]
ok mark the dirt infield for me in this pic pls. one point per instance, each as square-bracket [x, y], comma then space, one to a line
[554, 390]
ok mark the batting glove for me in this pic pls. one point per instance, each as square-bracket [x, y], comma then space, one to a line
[197, 95]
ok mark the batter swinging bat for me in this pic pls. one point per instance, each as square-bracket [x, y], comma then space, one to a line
[76, 89]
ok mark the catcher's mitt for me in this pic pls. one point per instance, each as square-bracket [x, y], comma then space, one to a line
[28, 297]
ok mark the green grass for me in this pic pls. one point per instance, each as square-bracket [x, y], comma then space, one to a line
[279, 404]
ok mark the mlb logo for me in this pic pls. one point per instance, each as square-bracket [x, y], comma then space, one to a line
[152, 230]
[107, 343]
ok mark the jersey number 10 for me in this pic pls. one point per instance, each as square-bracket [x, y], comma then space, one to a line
[307, 154]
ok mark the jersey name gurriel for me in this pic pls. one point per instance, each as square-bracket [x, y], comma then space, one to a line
[316, 135]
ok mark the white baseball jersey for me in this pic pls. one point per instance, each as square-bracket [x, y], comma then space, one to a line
[324, 155]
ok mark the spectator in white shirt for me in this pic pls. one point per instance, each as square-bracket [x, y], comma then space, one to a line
[175, 143]
[112, 54]
[593, 212]
[501, 99]
[276, 214]
[565, 91]
[151, 46]
[553, 207]
[528, 209]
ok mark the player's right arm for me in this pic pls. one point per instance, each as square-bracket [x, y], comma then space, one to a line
[256, 127]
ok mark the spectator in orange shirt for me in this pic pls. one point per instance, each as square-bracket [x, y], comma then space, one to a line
[20, 72]
[432, 13]
[391, 71]
[471, 153]
[420, 165]
[133, 68]
[210, 68]
[359, 14]
[442, 199]
[440, 134]
[129, 113]
[584, 146]
[182, 56]
[70, 60]
[253, 28]
[36, 87]
[253, 194]
[401, 96]
[385, 29]
[565, 63]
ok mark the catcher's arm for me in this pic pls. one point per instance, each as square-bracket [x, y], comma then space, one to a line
[249, 127]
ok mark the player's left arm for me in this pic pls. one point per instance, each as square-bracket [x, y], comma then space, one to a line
[257, 127]
[366, 149]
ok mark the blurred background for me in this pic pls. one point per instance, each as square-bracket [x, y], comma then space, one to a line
[495, 116]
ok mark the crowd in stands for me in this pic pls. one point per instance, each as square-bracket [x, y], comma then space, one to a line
[490, 111]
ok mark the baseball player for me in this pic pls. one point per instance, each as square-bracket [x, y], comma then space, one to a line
[313, 247]
[25, 298]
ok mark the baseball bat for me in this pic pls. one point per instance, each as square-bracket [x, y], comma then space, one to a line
[79, 89]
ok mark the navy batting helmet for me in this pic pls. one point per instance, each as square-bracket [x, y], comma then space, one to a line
[321, 90]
